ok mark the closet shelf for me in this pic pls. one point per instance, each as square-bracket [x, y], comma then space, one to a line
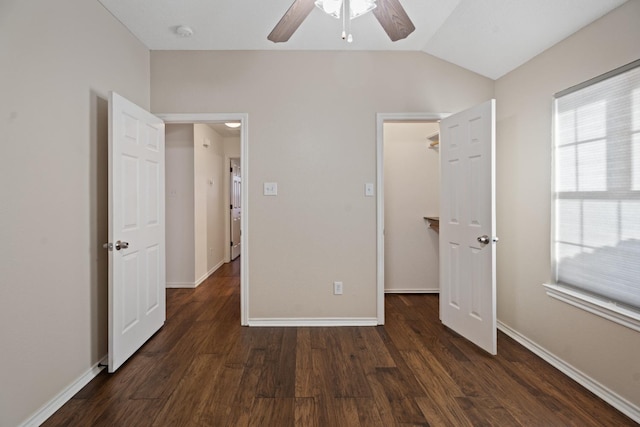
[434, 222]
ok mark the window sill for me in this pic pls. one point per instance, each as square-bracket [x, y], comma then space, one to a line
[598, 306]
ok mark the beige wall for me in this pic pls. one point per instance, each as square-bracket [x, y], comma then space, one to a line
[209, 200]
[195, 206]
[179, 205]
[312, 130]
[411, 192]
[59, 60]
[603, 350]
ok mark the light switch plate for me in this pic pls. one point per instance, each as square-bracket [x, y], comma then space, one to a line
[369, 190]
[270, 188]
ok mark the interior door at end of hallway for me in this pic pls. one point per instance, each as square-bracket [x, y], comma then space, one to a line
[236, 207]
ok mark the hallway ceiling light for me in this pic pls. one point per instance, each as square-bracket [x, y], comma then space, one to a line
[233, 125]
[184, 31]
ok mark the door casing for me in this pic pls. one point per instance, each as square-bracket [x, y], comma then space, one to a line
[380, 119]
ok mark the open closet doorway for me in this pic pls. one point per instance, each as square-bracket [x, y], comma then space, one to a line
[398, 130]
[199, 149]
[411, 194]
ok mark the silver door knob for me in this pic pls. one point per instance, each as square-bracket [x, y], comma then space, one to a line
[121, 245]
[484, 239]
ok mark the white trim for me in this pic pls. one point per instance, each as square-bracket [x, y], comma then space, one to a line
[308, 322]
[412, 291]
[380, 119]
[603, 392]
[49, 408]
[181, 285]
[206, 275]
[244, 215]
[598, 306]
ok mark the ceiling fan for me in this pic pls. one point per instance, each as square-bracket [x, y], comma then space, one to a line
[389, 13]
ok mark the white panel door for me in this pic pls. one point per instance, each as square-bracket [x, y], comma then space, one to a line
[136, 228]
[236, 207]
[467, 225]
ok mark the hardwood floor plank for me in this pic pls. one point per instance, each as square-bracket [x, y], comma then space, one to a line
[137, 412]
[272, 412]
[372, 351]
[368, 414]
[439, 406]
[349, 379]
[486, 411]
[218, 407]
[167, 372]
[400, 395]
[306, 412]
[203, 368]
[278, 375]
[187, 402]
[244, 396]
[304, 381]
[342, 411]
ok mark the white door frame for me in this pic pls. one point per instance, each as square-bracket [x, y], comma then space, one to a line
[244, 215]
[380, 119]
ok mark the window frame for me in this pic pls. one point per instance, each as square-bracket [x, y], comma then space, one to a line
[596, 304]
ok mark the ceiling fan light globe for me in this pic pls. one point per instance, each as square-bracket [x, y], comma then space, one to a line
[330, 7]
[360, 7]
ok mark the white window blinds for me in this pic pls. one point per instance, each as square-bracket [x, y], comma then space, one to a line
[597, 186]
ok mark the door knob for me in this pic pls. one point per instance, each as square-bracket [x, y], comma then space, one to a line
[486, 239]
[482, 239]
[121, 245]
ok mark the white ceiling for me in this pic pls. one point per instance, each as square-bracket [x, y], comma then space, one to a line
[490, 37]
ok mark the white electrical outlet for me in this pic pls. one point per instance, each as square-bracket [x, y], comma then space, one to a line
[337, 288]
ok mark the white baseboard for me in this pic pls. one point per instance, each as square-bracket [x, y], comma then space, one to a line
[603, 392]
[412, 291]
[193, 285]
[42, 414]
[206, 275]
[307, 322]
[180, 285]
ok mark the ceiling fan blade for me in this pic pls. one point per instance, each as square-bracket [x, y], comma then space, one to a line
[394, 19]
[291, 20]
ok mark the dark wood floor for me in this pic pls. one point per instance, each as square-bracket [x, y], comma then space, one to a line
[203, 369]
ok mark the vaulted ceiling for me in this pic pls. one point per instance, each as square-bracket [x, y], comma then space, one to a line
[490, 37]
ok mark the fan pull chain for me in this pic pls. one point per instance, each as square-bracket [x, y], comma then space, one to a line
[346, 21]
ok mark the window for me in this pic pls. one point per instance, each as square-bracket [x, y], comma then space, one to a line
[596, 238]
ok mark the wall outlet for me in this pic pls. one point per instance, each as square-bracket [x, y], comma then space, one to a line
[337, 288]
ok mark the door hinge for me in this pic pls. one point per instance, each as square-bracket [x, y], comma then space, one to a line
[231, 169]
[231, 244]
[230, 206]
